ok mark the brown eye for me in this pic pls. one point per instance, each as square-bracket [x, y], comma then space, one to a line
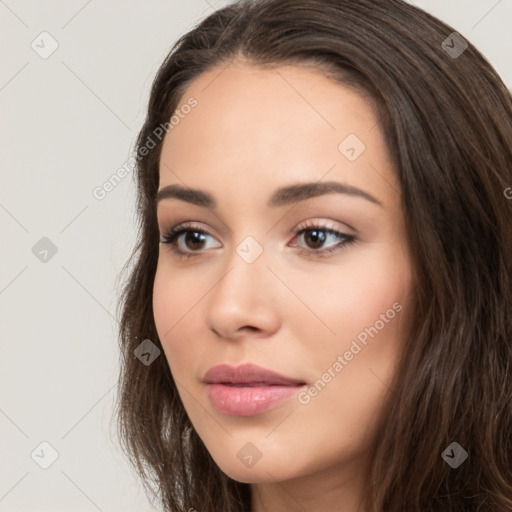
[194, 240]
[317, 238]
[187, 241]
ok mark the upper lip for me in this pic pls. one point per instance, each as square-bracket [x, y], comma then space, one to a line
[247, 374]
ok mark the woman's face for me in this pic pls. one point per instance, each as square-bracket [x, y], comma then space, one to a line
[325, 309]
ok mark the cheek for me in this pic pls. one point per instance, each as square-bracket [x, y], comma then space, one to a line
[350, 377]
[176, 293]
[364, 299]
[174, 303]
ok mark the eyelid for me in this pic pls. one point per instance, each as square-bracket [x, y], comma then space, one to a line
[324, 223]
[184, 226]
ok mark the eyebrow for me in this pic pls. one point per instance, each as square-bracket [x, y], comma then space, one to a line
[281, 197]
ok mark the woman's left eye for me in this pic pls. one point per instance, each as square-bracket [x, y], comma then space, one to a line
[318, 235]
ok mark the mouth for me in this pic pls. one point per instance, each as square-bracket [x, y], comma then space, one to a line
[248, 390]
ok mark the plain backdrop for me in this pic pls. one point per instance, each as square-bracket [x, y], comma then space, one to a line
[68, 121]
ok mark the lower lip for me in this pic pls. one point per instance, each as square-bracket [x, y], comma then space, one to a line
[248, 400]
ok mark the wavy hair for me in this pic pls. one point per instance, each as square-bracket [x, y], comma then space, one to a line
[447, 121]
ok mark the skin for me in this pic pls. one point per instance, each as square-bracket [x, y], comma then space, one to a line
[255, 130]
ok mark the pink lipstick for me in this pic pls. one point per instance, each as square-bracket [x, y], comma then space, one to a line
[248, 389]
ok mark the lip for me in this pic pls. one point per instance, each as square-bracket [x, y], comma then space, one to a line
[247, 374]
[248, 389]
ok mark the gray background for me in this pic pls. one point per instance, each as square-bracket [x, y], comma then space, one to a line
[68, 122]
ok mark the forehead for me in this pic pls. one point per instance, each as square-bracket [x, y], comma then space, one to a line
[262, 127]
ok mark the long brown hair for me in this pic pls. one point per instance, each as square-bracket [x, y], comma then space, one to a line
[447, 119]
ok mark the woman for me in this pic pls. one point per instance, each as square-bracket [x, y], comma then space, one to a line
[319, 300]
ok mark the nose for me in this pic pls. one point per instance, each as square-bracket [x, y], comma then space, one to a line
[245, 300]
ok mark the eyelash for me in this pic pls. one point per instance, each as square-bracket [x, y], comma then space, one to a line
[171, 237]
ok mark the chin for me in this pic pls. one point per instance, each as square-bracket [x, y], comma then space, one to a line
[251, 476]
[261, 472]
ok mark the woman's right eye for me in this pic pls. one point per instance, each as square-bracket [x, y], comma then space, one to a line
[189, 236]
